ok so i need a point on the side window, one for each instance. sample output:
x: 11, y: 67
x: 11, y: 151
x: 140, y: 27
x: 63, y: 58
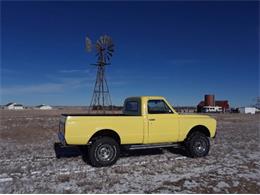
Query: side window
x: 158, y: 107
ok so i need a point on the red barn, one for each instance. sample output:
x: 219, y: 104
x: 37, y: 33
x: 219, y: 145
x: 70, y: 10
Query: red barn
x: 222, y: 103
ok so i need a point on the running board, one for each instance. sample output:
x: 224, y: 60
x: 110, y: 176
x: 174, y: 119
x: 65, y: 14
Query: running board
x: 147, y: 146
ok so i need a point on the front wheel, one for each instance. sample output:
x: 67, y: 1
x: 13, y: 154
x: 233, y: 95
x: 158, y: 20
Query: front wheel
x: 104, y: 151
x: 197, y: 145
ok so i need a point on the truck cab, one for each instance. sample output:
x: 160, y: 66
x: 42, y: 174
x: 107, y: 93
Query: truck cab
x: 160, y: 119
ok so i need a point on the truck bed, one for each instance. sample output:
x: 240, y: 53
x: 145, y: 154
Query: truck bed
x: 87, y: 114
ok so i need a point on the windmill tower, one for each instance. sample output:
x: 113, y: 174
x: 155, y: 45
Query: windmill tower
x: 101, y: 100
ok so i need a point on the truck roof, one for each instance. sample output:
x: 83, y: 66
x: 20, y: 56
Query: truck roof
x: 148, y: 97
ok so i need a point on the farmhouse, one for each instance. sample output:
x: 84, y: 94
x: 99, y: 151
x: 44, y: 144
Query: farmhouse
x: 14, y: 106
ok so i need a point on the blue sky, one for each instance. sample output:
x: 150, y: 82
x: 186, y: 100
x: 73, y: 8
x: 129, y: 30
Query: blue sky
x: 180, y: 50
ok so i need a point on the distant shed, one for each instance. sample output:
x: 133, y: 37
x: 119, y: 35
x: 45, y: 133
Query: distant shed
x: 247, y: 110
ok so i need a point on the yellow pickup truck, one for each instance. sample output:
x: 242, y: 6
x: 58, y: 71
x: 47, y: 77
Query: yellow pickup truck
x: 146, y: 122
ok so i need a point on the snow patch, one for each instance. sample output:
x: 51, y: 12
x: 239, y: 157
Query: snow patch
x: 8, y: 179
x: 190, y: 184
x: 223, y: 184
x: 180, y: 158
x: 35, y: 172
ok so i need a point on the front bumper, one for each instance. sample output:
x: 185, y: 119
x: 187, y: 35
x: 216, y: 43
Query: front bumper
x: 215, y: 135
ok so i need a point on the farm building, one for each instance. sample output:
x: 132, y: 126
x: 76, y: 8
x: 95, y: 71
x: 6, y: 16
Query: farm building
x: 44, y: 107
x: 14, y: 106
x: 247, y: 110
x: 209, y: 100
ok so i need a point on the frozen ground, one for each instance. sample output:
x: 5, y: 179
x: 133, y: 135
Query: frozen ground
x: 28, y: 163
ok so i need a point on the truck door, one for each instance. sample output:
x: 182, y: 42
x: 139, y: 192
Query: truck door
x: 163, y: 124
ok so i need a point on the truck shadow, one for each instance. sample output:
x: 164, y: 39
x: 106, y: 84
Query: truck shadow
x: 140, y: 152
x: 75, y: 151
x: 152, y: 151
x: 180, y: 151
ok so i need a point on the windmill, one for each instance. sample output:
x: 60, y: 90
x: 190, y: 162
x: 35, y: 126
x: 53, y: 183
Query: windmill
x: 101, y: 100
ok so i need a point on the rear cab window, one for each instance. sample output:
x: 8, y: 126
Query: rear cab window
x: 132, y: 107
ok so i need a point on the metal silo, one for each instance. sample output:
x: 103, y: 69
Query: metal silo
x: 209, y: 100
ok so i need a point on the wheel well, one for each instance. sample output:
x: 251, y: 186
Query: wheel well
x: 201, y: 129
x: 108, y: 133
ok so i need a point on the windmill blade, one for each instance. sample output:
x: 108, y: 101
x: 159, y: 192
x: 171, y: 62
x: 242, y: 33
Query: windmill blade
x: 107, y: 58
x: 99, y: 42
x: 98, y: 45
x: 98, y: 48
x: 88, y: 44
x: 111, y: 50
x: 110, y: 54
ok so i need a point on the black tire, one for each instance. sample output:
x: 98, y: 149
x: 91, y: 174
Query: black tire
x: 197, y: 145
x: 104, y: 151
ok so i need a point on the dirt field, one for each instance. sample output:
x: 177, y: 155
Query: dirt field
x: 28, y: 163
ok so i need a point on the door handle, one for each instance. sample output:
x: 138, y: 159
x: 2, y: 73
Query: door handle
x: 152, y: 119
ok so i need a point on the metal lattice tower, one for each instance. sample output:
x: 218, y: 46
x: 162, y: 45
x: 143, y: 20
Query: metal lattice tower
x: 101, y: 100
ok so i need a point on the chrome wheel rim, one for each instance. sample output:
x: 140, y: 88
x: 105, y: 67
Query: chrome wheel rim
x: 105, y: 152
x: 200, y: 146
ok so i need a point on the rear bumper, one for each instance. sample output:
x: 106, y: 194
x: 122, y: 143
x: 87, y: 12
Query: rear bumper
x: 66, y: 150
x: 62, y: 138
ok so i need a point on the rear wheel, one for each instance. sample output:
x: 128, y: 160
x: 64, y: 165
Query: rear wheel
x: 197, y: 145
x: 104, y: 151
